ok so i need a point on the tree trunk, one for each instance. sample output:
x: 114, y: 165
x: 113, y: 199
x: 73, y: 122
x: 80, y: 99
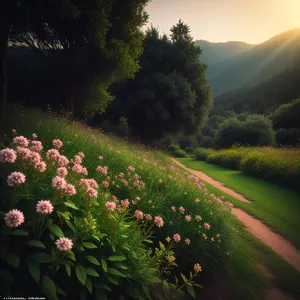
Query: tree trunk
x: 3, y: 77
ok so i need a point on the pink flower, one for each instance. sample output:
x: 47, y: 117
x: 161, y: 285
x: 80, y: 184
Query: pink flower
x: 139, y: 214
x: 158, y: 220
x: 100, y: 157
x: 125, y: 203
x: 102, y: 170
x: 187, y: 241
x: 188, y: 218
x: 160, y: 181
x: 79, y: 169
x: 131, y: 168
x: 62, y: 172
x: 110, y: 205
x: 34, y: 157
x: 92, y: 183
x: 62, y: 161
x: 81, y: 154
x: 8, y: 155
x: 14, y: 131
x: 34, y: 136
x: 197, y: 200
x: 92, y: 193
x: 148, y: 217
x: 77, y: 159
x: 40, y: 166
x: 173, y: 208
x: 59, y: 183
x: 105, y: 184
x: 44, y: 207
x: 57, y: 143
x: 15, y: 178
x: 52, y: 154
x: 37, y: 146
x: 21, y: 141
x: 64, y: 244
x: 14, y: 218
x: 176, y: 237
x: 182, y: 210
x: 24, y: 153
x: 198, y: 218
x: 206, y: 226
x: 69, y: 189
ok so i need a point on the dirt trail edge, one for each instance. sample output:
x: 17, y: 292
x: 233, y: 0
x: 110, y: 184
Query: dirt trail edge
x: 281, y: 246
x: 213, y: 182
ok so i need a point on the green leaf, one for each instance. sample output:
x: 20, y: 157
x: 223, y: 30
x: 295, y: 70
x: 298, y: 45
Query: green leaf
x: 104, y: 265
x: 166, y: 290
x: 198, y: 285
x: 113, y: 280
x: 42, y: 258
x: 71, y: 255
x: 91, y: 272
x: 36, y: 243
x: 93, y: 260
x: 162, y: 246
x: 19, y: 232
x: 115, y: 272
x: 49, y: 287
x: 13, y: 259
x: 80, y: 273
x: 68, y: 269
x: 148, y: 241
x: 116, y: 258
x: 59, y: 290
x: 89, y: 245
x: 70, y: 204
x: 184, y: 278
x: 88, y: 285
x: 56, y: 230
x: 191, y: 290
x: 34, y: 270
x: 52, y: 237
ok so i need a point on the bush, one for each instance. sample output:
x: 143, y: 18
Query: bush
x: 202, y: 153
x: 175, y: 150
x: 288, y: 137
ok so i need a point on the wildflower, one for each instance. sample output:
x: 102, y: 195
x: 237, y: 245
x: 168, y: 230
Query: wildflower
x: 188, y: 218
x: 139, y: 214
x: 160, y: 181
x: 44, y: 207
x: 23, y: 153
x: 14, y: 218
x: 148, y: 217
x: 212, y: 239
x: 100, y: 157
x: 14, y: 131
x: 102, y: 170
x: 187, y: 241
x: 197, y: 268
x: 173, y: 208
x: 34, y: 136
x: 204, y: 236
x: 168, y: 239
x: 81, y: 154
x: 92, y: 183
x: 52, y: 154
x: 15, y: 178
x: 8, y: 155
x: 181, y: 209
x: 206, y: 226
x: 176, y: 237
x: 59, y: 183
x: 131, y: 168
x: 198, y: 218
x: 34, y: 157
x: 197, y: 200
x: 62, y: 172
x: 110, y: 205
x: 125, y: 203
x: 69, y: 189
x: 37, y: 146
x: 40, y: 166
x: 64, y: 244
x: 21, y: 141
x: 62, y: 161
x: 105, y: 184
x: 158, y: 220
x: 171, y: 258
x: 92, y: 193
x: 77, y: 159
x: 218, y: 236
x: 57, y: 143
x: 137, y: 198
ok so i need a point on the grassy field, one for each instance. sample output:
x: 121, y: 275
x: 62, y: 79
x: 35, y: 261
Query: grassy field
x: 276, y: 206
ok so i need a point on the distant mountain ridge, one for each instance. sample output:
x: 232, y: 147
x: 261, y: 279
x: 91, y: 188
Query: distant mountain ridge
x: 248, y: 65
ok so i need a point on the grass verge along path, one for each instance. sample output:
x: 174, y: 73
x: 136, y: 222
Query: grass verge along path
x: 276, y: 206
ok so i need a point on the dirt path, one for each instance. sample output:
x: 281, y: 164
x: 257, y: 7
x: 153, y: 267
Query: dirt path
x: 281, y: 246
x: 213, y: 182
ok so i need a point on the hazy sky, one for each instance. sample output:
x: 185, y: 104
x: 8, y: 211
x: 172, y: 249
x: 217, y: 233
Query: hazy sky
x: 251, y: 21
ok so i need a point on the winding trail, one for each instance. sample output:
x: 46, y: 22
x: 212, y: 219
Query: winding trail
x: 281, y: 246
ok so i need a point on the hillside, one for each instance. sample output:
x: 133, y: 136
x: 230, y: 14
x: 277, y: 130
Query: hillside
x: 264, y: 97
x: 257, y: 64
x: 216, y: 52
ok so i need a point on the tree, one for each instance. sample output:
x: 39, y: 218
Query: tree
x: 170, y: 94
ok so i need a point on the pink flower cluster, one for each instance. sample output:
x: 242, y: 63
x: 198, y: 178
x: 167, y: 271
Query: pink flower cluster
x: 36, y: 146
x: 91, y: 187
x: 15, y: 178
x: 139, y: 214
x: 60, y: 184
x: 110, y: 205
x: 21, y: 141
x: 8, y: 155
x: 79, y: 169
x: 158, y: 220
x: 14, y: 218
x: 102, y: 170
x: 44, y: 207
x: 176, y: 237
x: 57, y: 143
x: 64, y: 244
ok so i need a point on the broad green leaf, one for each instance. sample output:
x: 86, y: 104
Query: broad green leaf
x: 93, y: 260
x: 191, y: 290
x: 36, y: 243
x: 19, y: 232
x: 166, y: 289
x: 198, y: 285
x: 72, y: 205
x: 34, y: 270
x: 56, y: 230
x: 68, y: 269
x: 96, y: 237
x: 104, y: 265
x: 89, y: 245
x: 116, y: 258
x: 88, y: 285
x: 80, y: 273
x: 13, y: 259
x: 148, y: 241
x: 49, y: 287
x: 115, y: 272
x: 184, y: 278
x: 42, y: 258
x: 71, y: 255
x: 91, y: 272
x: 113, y: 280
x: 162, y: 246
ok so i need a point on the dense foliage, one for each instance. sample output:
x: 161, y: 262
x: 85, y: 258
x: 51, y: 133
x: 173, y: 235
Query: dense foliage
x: 170, y: 94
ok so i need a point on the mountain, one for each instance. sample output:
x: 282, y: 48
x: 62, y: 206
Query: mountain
x: 257, y: 64
x: 215, y: 52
